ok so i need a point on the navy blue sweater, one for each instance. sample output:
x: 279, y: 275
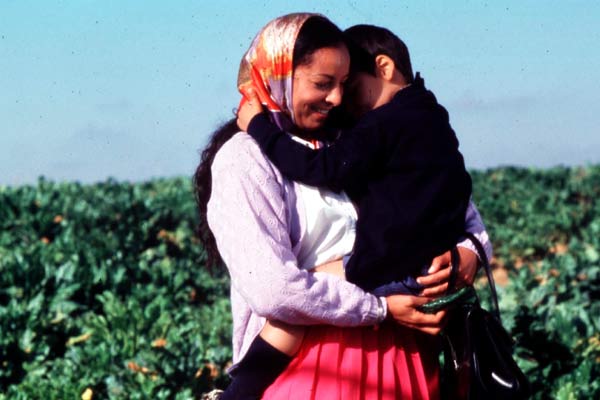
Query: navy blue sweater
x: 401, y: 166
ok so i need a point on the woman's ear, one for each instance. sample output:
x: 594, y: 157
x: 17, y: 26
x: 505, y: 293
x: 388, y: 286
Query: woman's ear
x: 384, y: 67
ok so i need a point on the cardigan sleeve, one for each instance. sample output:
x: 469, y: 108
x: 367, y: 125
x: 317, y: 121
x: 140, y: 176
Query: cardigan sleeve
x: 248, y: 217
x: 474, y: 224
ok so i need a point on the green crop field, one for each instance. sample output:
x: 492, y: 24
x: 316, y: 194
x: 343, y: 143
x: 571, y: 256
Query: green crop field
x: 103, y: 292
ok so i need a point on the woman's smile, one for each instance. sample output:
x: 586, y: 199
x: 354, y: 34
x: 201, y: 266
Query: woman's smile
x: 318, y: 86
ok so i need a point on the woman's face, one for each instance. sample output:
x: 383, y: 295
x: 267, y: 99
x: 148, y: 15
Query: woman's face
x: 318, y: 86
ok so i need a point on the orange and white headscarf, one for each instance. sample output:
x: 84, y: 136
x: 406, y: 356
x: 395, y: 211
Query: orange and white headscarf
x: 268, y: 66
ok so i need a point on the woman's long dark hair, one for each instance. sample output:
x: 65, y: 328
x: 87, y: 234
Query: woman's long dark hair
x: 203, y: 186
x: 316, y: 33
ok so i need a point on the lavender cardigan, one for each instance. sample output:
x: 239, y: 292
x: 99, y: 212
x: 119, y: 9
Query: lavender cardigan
x: 253, y: 216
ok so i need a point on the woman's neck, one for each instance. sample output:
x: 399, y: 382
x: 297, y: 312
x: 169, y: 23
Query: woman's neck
x: 308, y: 135
x: 325, y: 134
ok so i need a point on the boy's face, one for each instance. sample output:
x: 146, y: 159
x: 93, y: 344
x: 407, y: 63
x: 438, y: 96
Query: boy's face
x: 364, y: 92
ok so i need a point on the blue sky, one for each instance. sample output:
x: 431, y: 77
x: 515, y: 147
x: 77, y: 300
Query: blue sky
x: 132, y: 89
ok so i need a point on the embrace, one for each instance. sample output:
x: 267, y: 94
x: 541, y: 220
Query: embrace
x: 334, y: 200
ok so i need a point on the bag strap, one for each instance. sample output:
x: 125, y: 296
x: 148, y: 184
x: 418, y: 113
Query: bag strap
x: 488, y: 271
x: 454, y: 263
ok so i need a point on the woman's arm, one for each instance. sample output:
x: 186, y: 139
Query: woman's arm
x: 247, y: 214
x: 474, y: 224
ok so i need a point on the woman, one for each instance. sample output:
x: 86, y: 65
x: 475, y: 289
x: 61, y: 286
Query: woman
x: 271, y: 232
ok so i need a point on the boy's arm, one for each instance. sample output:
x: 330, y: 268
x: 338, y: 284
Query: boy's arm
x: 437, y: 278
x: 347, y: 160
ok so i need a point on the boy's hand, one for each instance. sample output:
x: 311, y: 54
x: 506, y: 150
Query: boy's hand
x: 248, y: 109
x: 436, y: 281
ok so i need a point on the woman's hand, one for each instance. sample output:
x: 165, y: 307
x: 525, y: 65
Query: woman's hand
x: 403, y: 309
x: 436, y: 281
x: 249, y: 108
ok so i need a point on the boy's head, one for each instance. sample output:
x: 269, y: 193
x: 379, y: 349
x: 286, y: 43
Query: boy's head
x: 380, y: 67
x: 369, y: 41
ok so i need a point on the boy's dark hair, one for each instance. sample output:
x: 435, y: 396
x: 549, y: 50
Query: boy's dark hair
x: 366, y: 42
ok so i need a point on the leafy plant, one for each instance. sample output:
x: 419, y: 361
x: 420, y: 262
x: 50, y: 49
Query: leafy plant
x: 102, y: 287
x: 103, y: 292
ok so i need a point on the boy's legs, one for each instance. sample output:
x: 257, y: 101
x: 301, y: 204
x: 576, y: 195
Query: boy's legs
x: 268, y: 356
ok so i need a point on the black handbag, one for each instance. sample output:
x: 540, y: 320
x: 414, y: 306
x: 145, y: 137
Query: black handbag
x: 478, y: 362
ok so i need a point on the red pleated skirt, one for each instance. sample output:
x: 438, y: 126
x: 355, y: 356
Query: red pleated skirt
x: 392, y: 362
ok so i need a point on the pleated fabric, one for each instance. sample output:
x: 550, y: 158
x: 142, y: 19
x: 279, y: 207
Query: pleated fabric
x: 388, y: 363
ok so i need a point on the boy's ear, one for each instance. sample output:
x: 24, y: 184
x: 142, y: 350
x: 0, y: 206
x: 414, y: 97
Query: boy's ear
x: 384, y: 67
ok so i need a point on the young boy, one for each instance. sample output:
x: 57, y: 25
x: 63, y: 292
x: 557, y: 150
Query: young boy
x: 400, y: 164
